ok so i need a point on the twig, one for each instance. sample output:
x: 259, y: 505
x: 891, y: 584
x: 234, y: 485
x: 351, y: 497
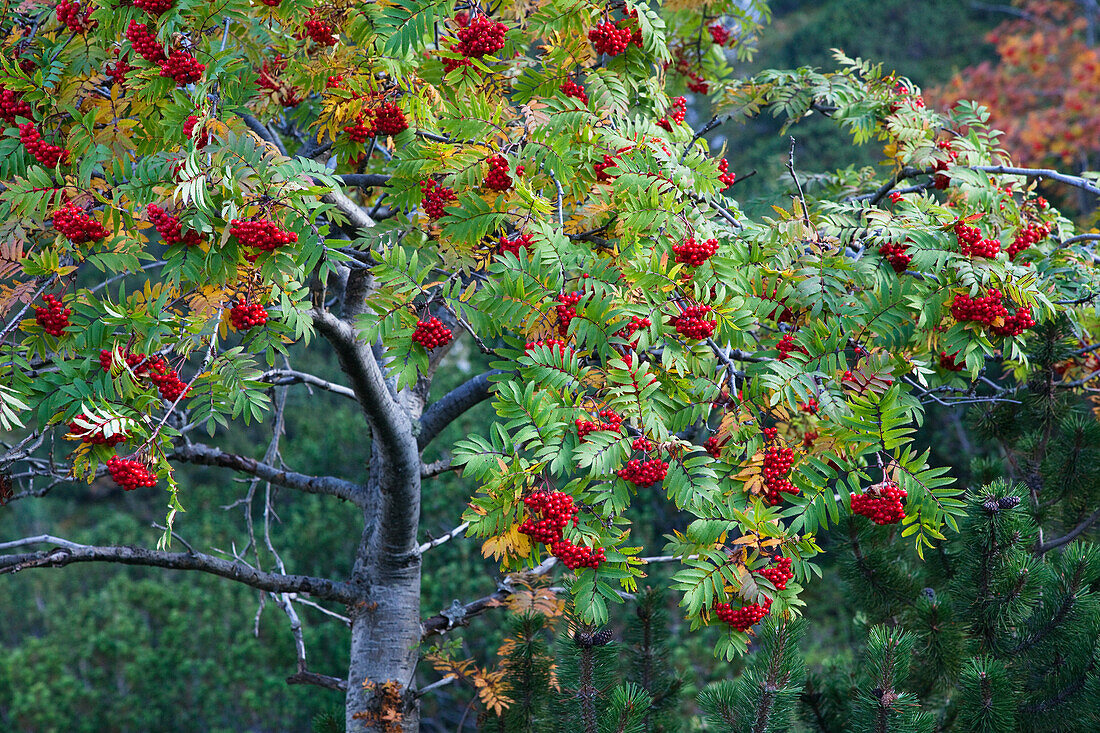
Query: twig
x: 445, y: 538
x: 802, y: 196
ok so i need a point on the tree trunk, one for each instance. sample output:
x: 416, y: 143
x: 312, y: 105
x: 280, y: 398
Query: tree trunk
x: 385, y: 631
x: 385, y: 640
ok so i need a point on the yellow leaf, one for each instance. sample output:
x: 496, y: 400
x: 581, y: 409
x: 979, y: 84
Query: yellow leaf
x: 511, y: 544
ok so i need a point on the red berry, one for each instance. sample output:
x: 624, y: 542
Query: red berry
x: 881, y: 503
x: 695, y: 253
x: 69, y: 13
x: 154, y: 7
x: 183, y: 67
x: 897, y: 255
x: 644, y: 473
x: 130, y: 474
x: 144, y: 42
x: 12, y: 105
x: 745, y: 617
x: 498, y: 177
x: 724, y: 176
x: 572, y: 89
x: 435, y: 199
x: 431, y: 333
x: 48, y: 155
x: 94, y: 435
x: 692, y: 324
x: 54, y: 317
x: 261, y: 234
x: 779, y: 573
x: 389, y: 119
x: 170, y: 228
x: 77, y: 226
x: 245, y: 316
x: 719, y: 34
x: 609, y: 38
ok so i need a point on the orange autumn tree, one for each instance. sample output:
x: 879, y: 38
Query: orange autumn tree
x: 1044, y: 92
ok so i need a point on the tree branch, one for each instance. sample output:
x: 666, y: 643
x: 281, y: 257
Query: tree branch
x: 280, y: 377
x: 445, y: 538
x: 305, y: 677
x: 1075, y: 181
x: 460, y: 614
x: 364, y: 180
x: 1073, y: 534
x: 450, y: 406
x: 355, y: 214
x: 71, y: 552
x: 206, y: 455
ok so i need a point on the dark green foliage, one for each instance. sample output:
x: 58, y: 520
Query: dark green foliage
x: 528, y: 663
x: 763, y: 698
x: 1001, y: 637
x: 646, y: 636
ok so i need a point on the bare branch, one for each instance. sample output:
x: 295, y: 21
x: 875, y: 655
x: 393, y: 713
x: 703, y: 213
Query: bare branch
x: 305, y: 677
x: 71, y: 552
x: 1075, y: 181
x: 279, y: 377
x: 445, y: 538
x: 1070, y: 536
x: 364, y: 180
x: 450, y: 406
x: 206, y: 455
x: 354, y: 213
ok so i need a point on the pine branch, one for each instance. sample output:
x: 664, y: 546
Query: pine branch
x: 72, y: 552
x: 206, y: 455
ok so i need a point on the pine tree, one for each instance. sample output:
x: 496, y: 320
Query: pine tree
x: 646, y: 663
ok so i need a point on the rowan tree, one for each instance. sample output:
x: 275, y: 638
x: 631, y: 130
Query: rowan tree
x: 197, y: 188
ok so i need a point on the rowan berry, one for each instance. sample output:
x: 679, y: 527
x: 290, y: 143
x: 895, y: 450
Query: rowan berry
x: 577, y: 556
x: 787, y: 346
x: 389, y: 119
x: 566, y: 310
x: 498, y: 178
x: 609, y: 38
x: 154, y: 7
x: 572, y: 89
x: 261, y: 234
x: 170, y: 229
x: 144, y: 42
x: 745, y: 617
x: 130, y: 475
x: 514, y: 244
x: 881, y: 504
x: 719, y: 34
x: 481, y: 37
x: 897, y: 255
x: 48, y: 155
x: 246, y: 316
x: 972, y: 244
x: 948, y: 362
x: 361, y: 130
x: 431, y: 333
x: 12, y: 105
x: 693, y: 253
x: 75, y: 18
x: 550, y: 512
x: 183, y: 67
x: 94, y: 435
x: 435, y: 198
x: 166, y: 380
x: 320, y: 31
x: 53, y: 317
x: 779, y: 573
x: 644, y: 473
x: 691, y: 323
x: 726, y: 178
x: 77, y: 226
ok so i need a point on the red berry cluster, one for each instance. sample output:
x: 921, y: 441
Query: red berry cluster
x: 787, y: 345
x: 360, y: 131
x: 693, y: 324
x: 609, y: 161
x: 550, y: 513
x: 1032, y: 233
x: 719, y: 34
x: 167, y: 380
x: 972, y: 244
x: 713, y: 446
x: 77, y: 226
x: 170, y: 228
x: 261, y: 234
x: 882, y: 505
x: 431, y: 333
x: 614, y: 38
x: 948, y: 362
x: 724, y: 176
x: 679, y: 109
x: 776, y: 468
x: 137, y: 362
x: 69, y: 13
x: 555, y: 511
x: 498, y: 177
x: 320, y: 31
x: 644, y: 473
x: 54, y: 317
x: 555, y: 345
x: 643, y: 444
x: 572, y: 89
x: 940, y: 181
x: 130, y: 475
x: 245, y: 316
x: 189, y: 129
x: 904, y: 97
x: 144, y: 42
x: 435, y: 198
x: 745, y: 617
x: 154, y: 7
x: 183, y: 67
x: 118, y: 70
x: 95, y: 436
x: 695, y: 253
x: 770, y: 434
x: 513, y: 245
x: 897, y: 255
x: 268, y: 77
x: 389, y: 119
x: 45, y: 153
x: 566, y: 310
x: 779, y: 573
x: 608, y: 420
x: 809, y: 406
x: 697, y: 83
x: 480, y: 37
x: 628, y: 331
x: 12, y: 105
x: 987, y: 309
